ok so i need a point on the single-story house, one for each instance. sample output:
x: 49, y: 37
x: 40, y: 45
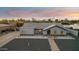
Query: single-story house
x: 46, y: 29
x: 7, y: 27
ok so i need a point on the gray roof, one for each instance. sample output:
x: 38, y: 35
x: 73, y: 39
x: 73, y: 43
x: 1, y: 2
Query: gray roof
x: 37, y: 25
x: 59, y: 25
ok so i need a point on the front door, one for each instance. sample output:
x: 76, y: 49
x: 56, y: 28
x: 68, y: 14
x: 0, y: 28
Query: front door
x: 48, y: 32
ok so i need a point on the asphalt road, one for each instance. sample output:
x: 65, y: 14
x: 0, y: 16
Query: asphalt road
x: 27, y: 45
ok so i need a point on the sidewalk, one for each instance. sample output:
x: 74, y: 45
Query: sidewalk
x: 32, y: 37
x: 4, y: 39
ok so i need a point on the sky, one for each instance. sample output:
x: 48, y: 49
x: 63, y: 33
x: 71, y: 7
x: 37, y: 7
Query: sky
x: 24, y: 12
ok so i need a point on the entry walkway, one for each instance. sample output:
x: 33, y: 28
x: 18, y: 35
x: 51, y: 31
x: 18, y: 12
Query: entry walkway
x: 53, y: 45
x: 4, y: 39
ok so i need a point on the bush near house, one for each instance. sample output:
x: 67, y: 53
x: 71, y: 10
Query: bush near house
x: 19, y: 24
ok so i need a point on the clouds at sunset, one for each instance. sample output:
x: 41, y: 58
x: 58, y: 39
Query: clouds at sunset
x: 39, y: 12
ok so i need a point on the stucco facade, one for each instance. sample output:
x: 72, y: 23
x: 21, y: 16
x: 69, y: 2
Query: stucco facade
x: 57, y: 31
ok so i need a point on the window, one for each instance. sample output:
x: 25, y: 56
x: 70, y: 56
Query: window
x: 62, y: 33
x: 38, y: 31
x: 54, y: 32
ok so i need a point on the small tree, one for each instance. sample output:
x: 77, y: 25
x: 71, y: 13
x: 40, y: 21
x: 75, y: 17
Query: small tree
x: 49, y: 20
x: 56, y: 20
x: 19, y: 24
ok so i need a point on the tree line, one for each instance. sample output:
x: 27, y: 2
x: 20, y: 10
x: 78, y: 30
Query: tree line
x: 20, y: 22
x: 17, y: 23
x: 62, y: 21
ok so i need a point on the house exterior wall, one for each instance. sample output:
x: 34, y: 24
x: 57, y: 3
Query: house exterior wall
x: 44, y: 32
x: 28, y: 31
x: 74, y: 32
x: 57, y: 31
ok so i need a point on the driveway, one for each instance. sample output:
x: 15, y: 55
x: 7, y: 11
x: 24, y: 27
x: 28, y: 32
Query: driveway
x: 28, y: 45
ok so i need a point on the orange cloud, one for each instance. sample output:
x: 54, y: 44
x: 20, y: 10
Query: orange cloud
x: 73, y: 14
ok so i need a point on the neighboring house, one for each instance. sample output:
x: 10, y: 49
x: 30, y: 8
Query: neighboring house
x: 74, y: 26
x: 46, y: 29
x: 7, y: 27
